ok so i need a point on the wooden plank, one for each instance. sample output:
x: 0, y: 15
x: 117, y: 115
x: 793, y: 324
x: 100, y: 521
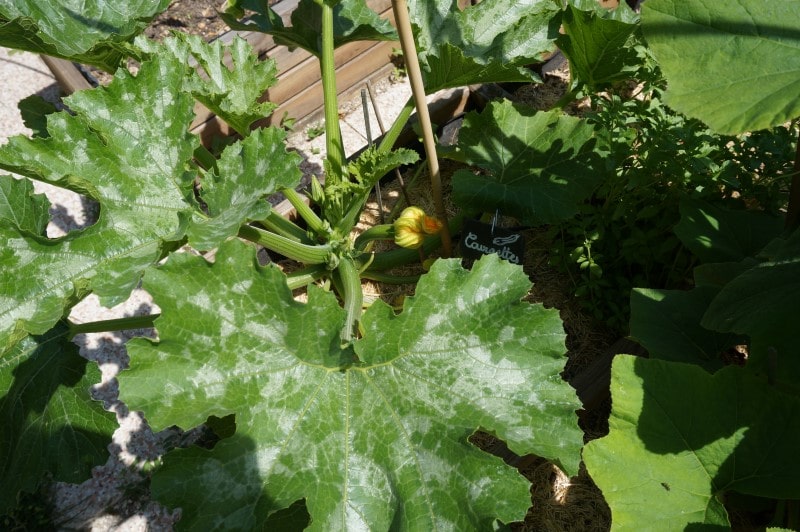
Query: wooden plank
x: 304, y: 96
x: 298, y: 91
x: 67, y: 74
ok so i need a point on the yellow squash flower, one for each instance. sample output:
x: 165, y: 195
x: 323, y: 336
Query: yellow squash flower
x: 413, y: 225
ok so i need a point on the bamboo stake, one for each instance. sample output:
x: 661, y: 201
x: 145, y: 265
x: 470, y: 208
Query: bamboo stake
x: 400, y: 8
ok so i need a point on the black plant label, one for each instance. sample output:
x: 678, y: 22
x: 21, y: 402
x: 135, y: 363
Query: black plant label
x: 483, y: 239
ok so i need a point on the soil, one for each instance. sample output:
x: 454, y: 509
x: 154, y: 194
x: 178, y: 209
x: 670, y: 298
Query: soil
x: 196, y: 17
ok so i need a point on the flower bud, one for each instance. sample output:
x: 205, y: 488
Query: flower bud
x: 407, y: 234
x: 412, y: 226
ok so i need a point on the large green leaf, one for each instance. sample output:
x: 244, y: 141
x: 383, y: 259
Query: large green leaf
x: 761, y: 302
x: 763, y: 299
x: 232, y: 93
x: 716, y: 234
x: 596, y: 46
x: 667, y: 324
x: 125, y: 146
x: 50, y: 423
x: 489, y: 42
x: 539, y: 165
x: 353, y: 21
x: 371, y: 436
x: 680, y: 438
x: 735, y: 64
x: 86, y: 31
x: 234, y: 192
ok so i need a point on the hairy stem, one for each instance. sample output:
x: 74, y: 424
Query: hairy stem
x: 278, y: 224
x: 352, y: 295
x: 376, y: 232
x: 391, y: 136
x: 306, y: 276
x: 292, y: 249
x: 333, y: 133
x: 305, y: 212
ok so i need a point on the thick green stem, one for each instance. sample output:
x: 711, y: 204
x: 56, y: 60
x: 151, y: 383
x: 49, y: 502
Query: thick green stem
x: 205, y: 158
x: 391, y: 136
x: 305, y: 212
x: 398, y: 257
x: 387, y: 278
x: 119, y: 324
x: 278, y: 224
x: 306, y: 276
x: 304, y: 253
x: 352, y: 295
x: 376, y: 232
x: 333, y: 133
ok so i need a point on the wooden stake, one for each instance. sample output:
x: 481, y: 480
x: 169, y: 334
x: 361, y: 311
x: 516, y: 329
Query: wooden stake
x: 400, y: 8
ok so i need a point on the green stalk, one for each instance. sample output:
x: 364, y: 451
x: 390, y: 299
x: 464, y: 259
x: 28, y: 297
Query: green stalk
x: 304, y: 253
x: 278, y: 224
x: 398, y: 257
x: 205, y: 158
x: 306, y: 276
x: 305, y: 212
x: 376, y: 232
x: 387, y: 278
x: 352, y: 295
x: 333, y: 133
x: 391, y: 136
x: 119, y: 324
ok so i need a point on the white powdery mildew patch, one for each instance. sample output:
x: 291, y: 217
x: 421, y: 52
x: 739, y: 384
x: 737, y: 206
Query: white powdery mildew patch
x: 272, y: 332
x: 201, y: 300
x: 210, y: 380
x: 434, y: 320
x: 506, y: 333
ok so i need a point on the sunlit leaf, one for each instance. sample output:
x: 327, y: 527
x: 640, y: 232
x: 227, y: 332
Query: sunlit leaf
x: 127, y: 147
x: 538, y: 165
x: 491, y: 41
x: 87, y: 31
x: 680, y: 438
x: 734, y: 64
x: 373, y: 435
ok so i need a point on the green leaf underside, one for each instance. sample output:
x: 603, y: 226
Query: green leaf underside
x: 235, y: 192
x: 731, y: 63
x: 680, y: 438
x: 488, y: 42
x: 540, y: 164
x: 86, y: 31
x: 42, y: 411
x: 126, y: 147
x: 377, y: 441
x: 353, y: 21
x: 595, y: 47
x: 233, y: 93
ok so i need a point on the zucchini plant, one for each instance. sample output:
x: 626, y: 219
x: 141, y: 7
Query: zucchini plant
x: 342, y: 418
